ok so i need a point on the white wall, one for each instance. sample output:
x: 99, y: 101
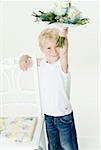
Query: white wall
x: 19, y: 36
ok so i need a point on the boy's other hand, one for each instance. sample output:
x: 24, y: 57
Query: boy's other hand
x: 24, y: 62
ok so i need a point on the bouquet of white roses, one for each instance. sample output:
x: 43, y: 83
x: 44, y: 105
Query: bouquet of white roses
x: 61, y: 13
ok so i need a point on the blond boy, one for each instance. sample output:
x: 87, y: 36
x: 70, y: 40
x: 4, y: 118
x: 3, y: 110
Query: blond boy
x: 54, y: 79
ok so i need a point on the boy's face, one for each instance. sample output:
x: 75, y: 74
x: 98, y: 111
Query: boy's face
x: 50, y: 49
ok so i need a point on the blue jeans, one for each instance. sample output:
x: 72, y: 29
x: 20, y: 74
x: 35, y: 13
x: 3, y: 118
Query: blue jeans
x: 61, y: 132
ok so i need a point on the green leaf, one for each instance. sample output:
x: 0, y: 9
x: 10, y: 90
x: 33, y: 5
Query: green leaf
x: 82, y: 21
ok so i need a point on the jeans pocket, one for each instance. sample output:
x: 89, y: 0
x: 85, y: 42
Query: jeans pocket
x: 66, y: 119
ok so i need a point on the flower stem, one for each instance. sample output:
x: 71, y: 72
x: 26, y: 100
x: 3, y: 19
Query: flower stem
x: 60, y: 41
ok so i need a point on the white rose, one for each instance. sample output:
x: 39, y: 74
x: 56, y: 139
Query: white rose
x: 73, y: 12
x: 59, y: 11
x: 60, y: 7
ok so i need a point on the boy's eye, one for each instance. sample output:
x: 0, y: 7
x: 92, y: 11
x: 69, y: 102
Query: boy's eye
x: 49, y: 48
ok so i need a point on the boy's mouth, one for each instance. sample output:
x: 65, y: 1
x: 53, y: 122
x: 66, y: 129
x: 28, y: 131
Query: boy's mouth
x: 54, y: 55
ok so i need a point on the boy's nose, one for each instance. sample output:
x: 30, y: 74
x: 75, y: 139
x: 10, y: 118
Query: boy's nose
x: 54, y: 52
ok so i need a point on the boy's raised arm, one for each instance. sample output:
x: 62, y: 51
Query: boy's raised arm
x: 63, y: 52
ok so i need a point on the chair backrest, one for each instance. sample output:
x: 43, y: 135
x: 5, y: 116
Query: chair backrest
x: 19, y: 90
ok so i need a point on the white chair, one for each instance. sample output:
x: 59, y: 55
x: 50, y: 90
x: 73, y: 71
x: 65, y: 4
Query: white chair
x: 20, y: 95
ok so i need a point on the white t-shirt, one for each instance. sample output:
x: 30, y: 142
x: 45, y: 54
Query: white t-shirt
x: 54, y: 89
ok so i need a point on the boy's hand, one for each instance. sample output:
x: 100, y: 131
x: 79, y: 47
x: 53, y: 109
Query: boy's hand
x: 24, y: 62
x: 63, y: 32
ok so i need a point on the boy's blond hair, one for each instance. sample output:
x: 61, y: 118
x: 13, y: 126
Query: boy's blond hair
x: 50, y: 34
